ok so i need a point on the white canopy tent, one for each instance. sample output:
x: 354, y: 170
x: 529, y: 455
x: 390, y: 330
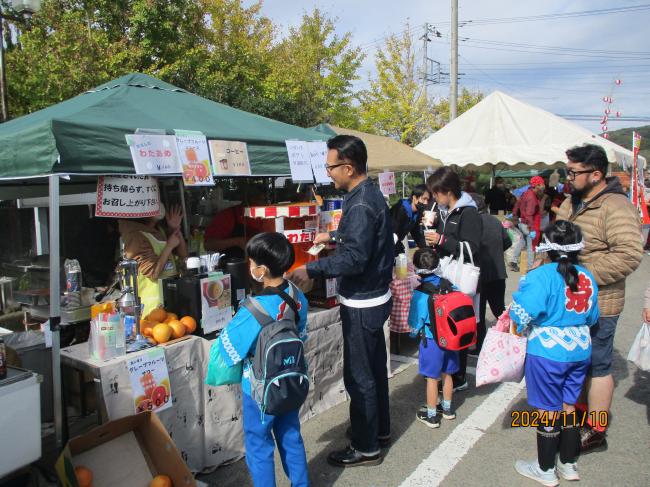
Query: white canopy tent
x: 501, y: 130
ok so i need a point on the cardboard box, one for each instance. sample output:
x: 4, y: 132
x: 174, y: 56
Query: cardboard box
x: 126, y: 452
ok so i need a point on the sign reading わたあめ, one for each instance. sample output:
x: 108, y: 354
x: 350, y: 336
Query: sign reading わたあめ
x: 153, y: 154
x: 127, y: 197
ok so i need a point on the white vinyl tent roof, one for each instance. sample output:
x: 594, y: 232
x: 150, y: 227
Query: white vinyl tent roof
x: 503, y: 130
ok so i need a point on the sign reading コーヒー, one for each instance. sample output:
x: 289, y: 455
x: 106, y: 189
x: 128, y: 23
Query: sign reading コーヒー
x: 229, y: 158
x: 127, y: 197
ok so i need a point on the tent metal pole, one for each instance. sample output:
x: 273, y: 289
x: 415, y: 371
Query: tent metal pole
x: 55, y: 309
x: 186, y: 225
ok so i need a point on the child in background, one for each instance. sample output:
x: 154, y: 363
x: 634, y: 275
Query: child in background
x: 435, y: 364
x: 270, y: 255
x: 558, y: 302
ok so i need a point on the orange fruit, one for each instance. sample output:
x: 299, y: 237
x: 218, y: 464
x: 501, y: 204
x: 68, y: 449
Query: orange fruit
x: 170, y: 317
x: 147, y: 328
x: 162, y: 332
x: 178, y: 329
x: 190, y: 323
x: 161, y: 481
x: 158, y: 315
x: 84, y: 476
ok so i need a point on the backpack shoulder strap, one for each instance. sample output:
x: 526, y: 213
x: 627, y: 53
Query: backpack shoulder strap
x: 288, y: 298
x: 257, y: 310
x: 428, y: 288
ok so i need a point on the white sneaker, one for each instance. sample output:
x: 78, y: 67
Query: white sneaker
x: 568, y: 471
x: 533, y: 471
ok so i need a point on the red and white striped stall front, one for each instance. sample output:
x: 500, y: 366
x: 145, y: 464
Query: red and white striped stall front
x: 298, y: 222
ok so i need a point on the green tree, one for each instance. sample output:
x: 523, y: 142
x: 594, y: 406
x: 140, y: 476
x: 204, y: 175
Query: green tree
x: 231, y: 58
x: 394, y: 105
x: 466, y: 100
x: 60, y: 55
x: 312, y: 74
x: 71, y: 46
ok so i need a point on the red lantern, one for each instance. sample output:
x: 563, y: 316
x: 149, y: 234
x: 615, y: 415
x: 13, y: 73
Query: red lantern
x: 604, y: 127
x: 607, y: 111
x: 618, y: 81
x: 606, y: 136
x: 605, y: 98
x: 604, y: 120
x: 618, y: 114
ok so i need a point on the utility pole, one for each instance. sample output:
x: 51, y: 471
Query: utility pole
x: 4, y: 115
x: 453, y: 92
x: 425, y: 68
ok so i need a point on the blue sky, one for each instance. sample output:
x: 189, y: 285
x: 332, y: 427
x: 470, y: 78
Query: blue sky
x: 588, y: 52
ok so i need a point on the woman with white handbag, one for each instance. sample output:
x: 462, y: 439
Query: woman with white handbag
x: 456, y: 235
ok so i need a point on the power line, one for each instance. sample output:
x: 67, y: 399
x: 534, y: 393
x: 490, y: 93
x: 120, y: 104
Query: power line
x: 559, y: 16
x: 555, y: 48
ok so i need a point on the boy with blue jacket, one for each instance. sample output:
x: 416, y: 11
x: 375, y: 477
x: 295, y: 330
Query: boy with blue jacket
x: 435, y: 364
x: 270, y: 255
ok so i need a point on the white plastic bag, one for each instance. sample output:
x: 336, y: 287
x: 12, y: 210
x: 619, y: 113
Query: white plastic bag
x: 464, y: 275
x: 640, y: 351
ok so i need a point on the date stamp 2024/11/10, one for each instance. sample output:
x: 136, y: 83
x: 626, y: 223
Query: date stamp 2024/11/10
x: 535, y: 418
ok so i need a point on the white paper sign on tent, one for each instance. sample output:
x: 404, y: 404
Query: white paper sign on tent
x: 299, y: 161
x: 387, y: 183
x: 229, y: 158
x: 195, y: 158
x: 318, y: 160
x: 153, y: 154
x: 127, y: 197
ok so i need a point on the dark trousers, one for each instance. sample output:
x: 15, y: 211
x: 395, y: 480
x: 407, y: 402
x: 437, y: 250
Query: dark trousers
x: 492, y: 293
x: 365, y: 375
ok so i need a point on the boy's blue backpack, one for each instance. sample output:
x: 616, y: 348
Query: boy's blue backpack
x: 278, y: 370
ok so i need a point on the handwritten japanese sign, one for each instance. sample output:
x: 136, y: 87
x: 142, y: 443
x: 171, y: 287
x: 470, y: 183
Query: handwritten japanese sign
x: 127, y: 197
x: 153, y: 154
x: 150, y: 381
x: 299, y: 160
x: 195, y: 159
x: 318, y: 159
x: 387, y: 183
x: 229, y: 158
x: 216, y: 303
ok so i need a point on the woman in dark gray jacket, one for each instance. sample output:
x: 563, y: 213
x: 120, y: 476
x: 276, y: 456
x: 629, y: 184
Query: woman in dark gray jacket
x: 494, y: 242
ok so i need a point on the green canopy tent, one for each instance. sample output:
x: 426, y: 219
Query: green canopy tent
x: 85, y: 136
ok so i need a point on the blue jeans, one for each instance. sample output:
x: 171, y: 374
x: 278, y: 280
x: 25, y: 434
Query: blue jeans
x: 530, y: 255
x: 260, y: 447
x: 365, y: 375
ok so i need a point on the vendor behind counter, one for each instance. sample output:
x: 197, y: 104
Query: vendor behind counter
x: 156, y: 252
x: 229, y: 230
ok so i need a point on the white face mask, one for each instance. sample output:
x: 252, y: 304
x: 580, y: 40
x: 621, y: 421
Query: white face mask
x: 260, y: 278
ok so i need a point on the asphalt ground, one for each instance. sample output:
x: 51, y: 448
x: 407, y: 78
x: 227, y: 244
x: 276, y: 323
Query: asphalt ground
x: 480, y: 447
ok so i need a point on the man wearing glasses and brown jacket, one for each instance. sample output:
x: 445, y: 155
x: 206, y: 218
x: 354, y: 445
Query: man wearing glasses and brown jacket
x: 612, y: 235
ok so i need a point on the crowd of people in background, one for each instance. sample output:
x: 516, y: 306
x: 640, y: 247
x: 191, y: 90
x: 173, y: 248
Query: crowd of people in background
x: 582, y: 238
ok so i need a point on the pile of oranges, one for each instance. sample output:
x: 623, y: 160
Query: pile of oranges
x: 85, y: 478
x: 161, y: 326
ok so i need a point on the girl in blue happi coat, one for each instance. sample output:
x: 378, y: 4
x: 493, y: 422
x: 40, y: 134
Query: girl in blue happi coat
x: 556, y: 304
x: 270, y: 255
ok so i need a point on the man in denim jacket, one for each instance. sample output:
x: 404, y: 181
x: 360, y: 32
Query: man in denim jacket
x: 363, y: 264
